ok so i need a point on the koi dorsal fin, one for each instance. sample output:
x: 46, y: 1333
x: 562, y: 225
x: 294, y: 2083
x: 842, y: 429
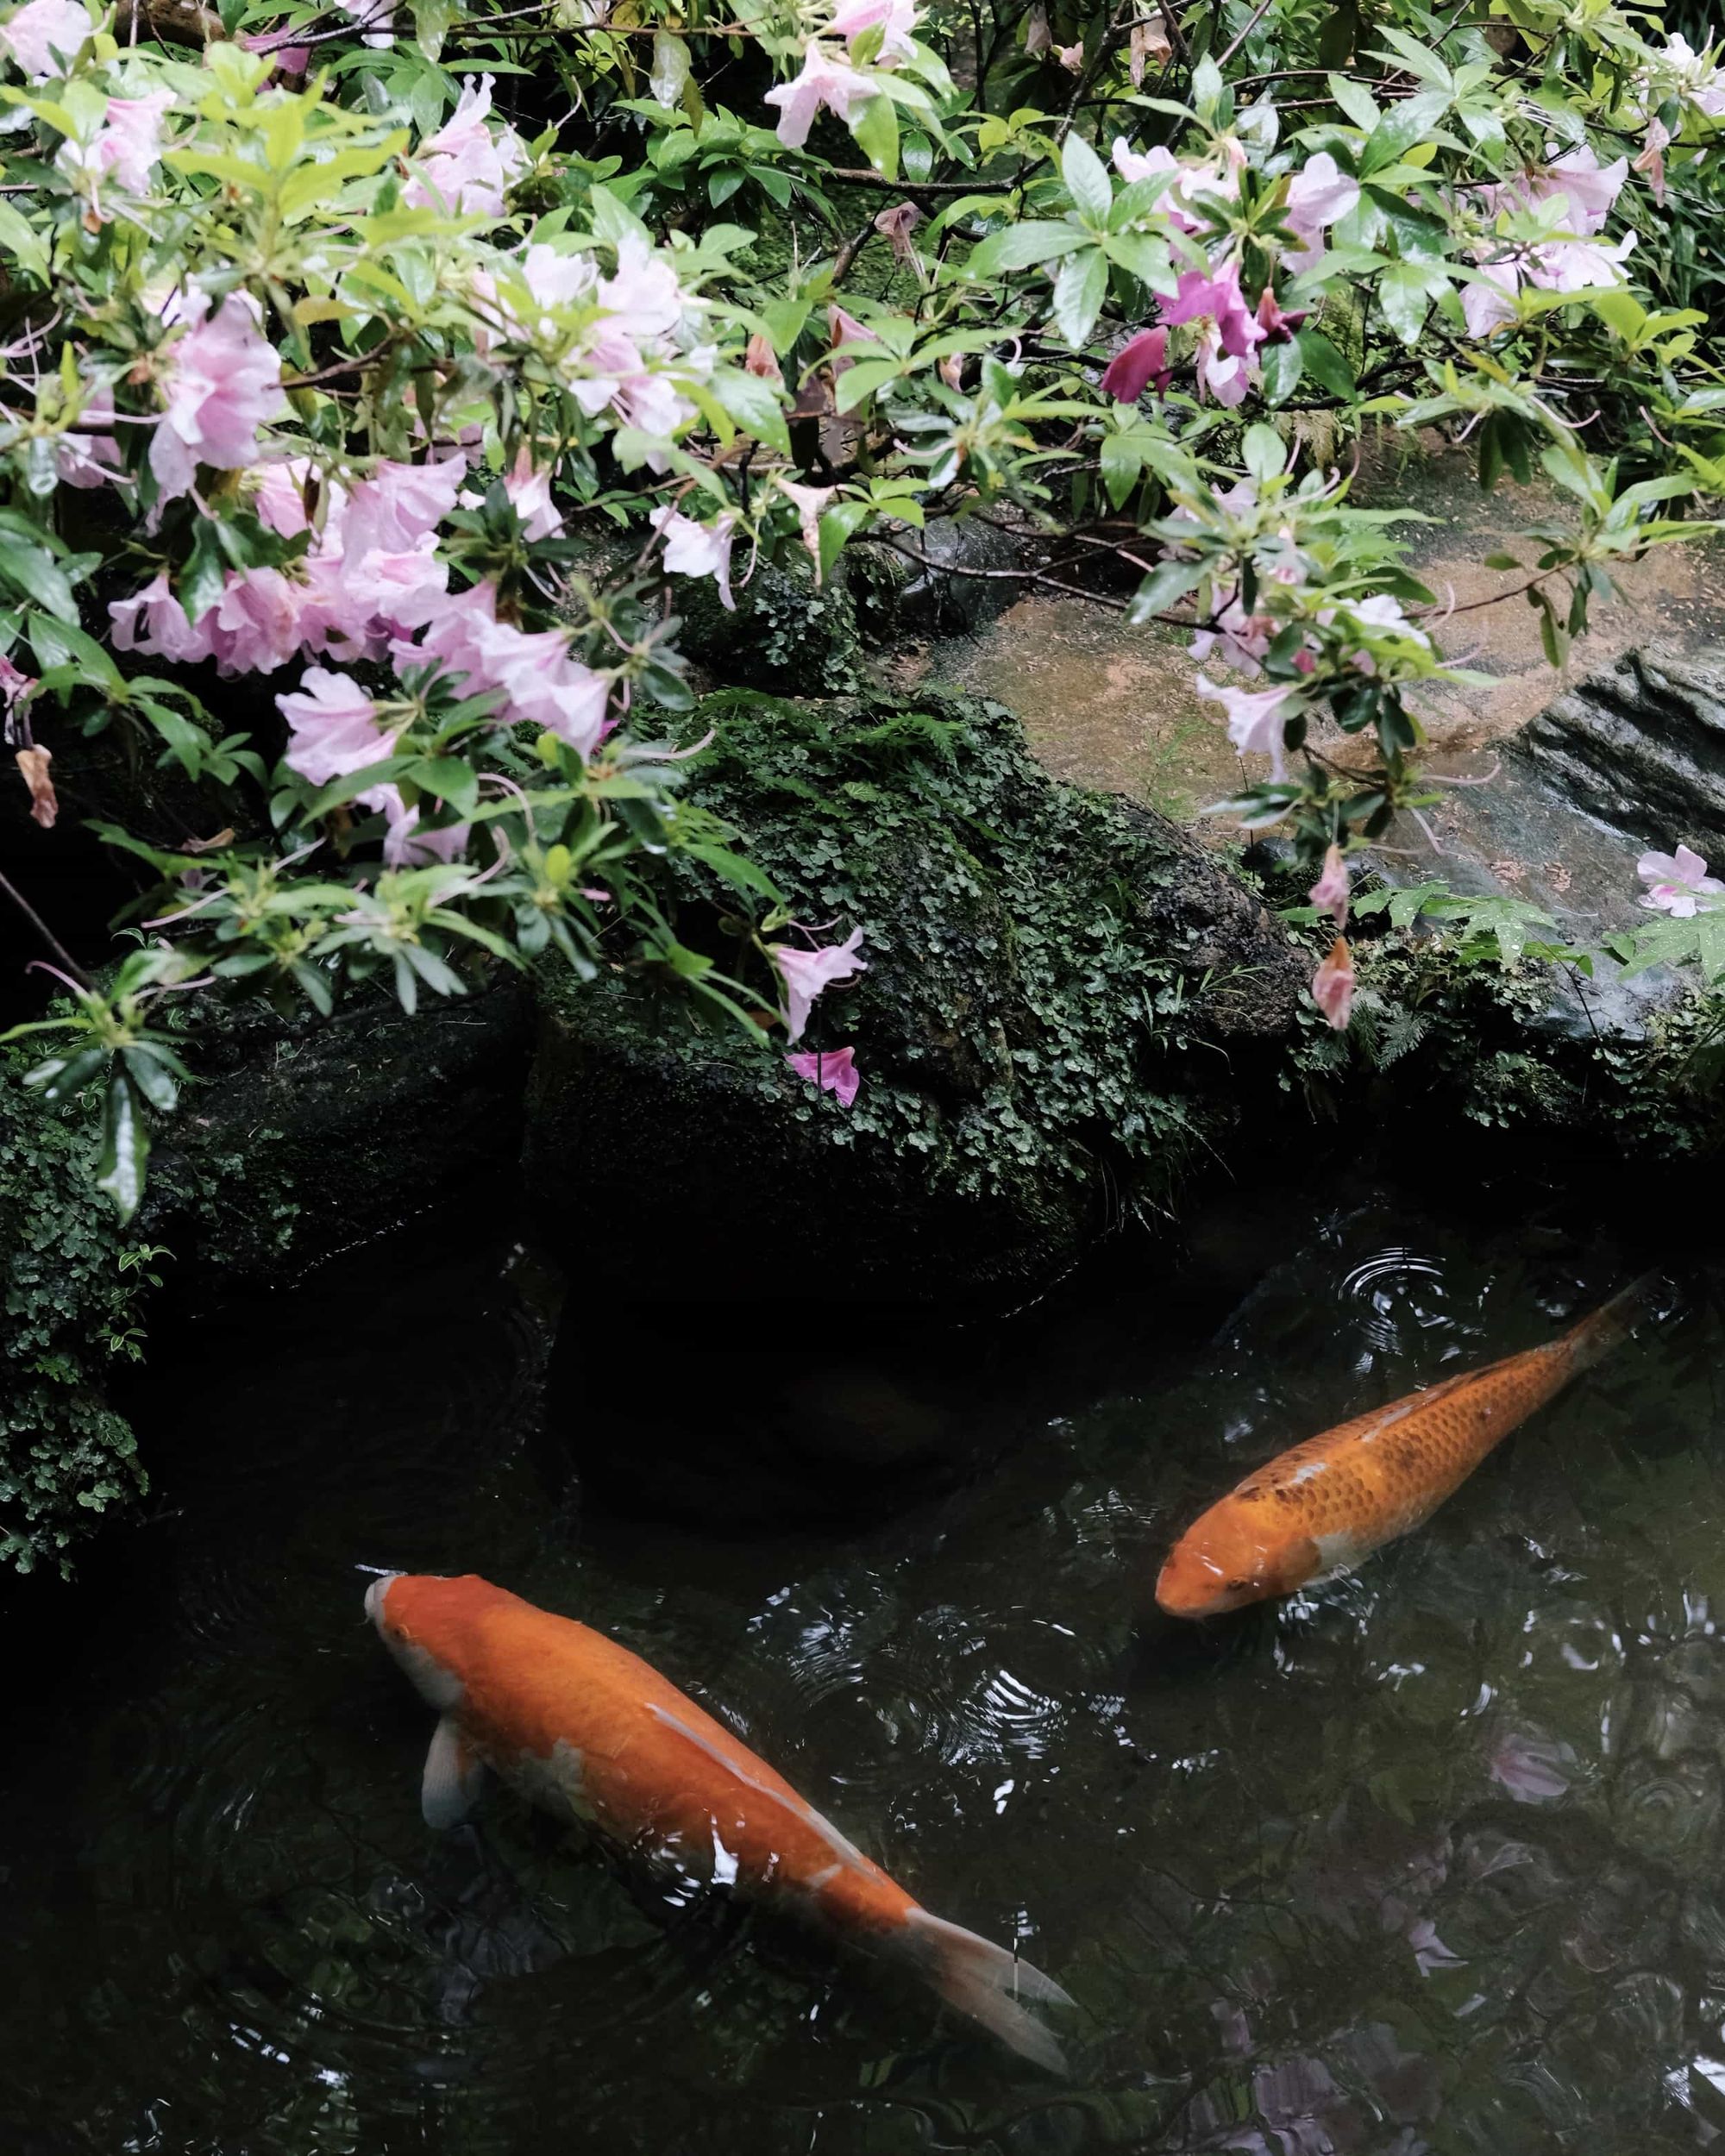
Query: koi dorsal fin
x: 454, y: 1774
x: 804, y: 1814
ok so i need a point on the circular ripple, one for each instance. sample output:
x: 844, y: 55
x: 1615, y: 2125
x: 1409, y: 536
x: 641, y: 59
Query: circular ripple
x: 1396, y: 1295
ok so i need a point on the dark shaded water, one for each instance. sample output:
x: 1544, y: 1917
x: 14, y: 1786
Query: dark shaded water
x: 1429, y: 1859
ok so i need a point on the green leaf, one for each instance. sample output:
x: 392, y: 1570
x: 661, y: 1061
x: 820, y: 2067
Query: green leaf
x: 450, y: 779
x: 1326, y: 364
x: 151, y: 1078
x: 1281, y: 366
x: 1085, y: 177
x: 1402, y: 295
x: 33, y: 571
x: 1710, y: 942
x: 205, y: 578
x: 875, y: 131
x: 1264, y: 452
x: 1079, y: 290
x: 754, y: 406
x: 740, y: 873
x: 125, y: 1148
x: 1019, y: 247
x: 1357, y: 101
x: 1168, y: 582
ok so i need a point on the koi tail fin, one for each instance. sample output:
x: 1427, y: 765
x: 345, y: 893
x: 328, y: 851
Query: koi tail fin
x: 985, y: 1982
x: 1609, y: 1327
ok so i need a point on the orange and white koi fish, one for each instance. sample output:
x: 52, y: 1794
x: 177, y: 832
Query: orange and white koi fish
x: 1325, y: 1505
x: 589, y: 1732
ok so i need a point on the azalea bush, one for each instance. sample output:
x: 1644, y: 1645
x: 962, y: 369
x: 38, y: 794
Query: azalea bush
x: 378, y: 377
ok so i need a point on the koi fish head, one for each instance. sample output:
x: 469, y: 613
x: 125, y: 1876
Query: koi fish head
x: 428, y: 1625
x: 1225, y: 1560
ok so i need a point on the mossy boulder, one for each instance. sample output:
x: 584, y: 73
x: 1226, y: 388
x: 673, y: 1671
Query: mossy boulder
x: 1051, y: 975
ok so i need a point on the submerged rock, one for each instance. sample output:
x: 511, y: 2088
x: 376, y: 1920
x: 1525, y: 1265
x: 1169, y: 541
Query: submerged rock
x: 1051, y: 976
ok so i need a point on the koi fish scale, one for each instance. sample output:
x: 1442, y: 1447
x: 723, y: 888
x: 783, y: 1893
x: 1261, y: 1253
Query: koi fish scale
x: 587, y: 1731
x: 1326, y: 1504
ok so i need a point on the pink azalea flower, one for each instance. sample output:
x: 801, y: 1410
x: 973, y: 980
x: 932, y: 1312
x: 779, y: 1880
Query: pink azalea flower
x: 531, y: 493
x: 277, y: 492
x: 1587, y: 186
x: 1675, y: 882
x: 222, y: 381
x: 1223, y: 376
x: 153, y: 622
x: 334, y: 723
x: 1177, y: 201
x: 91, y: 459
x: 644, y: 294
x: 540, y: 680
x: 693, y: 550
x: 378, y: 17
x: 405, y: 845
x: 357, y: 604
x: 1243, y: 638
x: 1333, y: 985
x: 805, y: 973
x: 257, y: 623
x: 1330, y: 892
x: 35, y: 34
x: 14, y: 684
x: 1321, y: 196
x: 897, y: 18
x: 833, y: 1070
x: 125, y: 148
x: 466, y: 166
x: 824, y: 80
x: 1558, y: 266
x: 1430, y: 1954
x: 1142, y: 359
x: 1256, y: 719
x: 285, y: 56
x: 400, y: 505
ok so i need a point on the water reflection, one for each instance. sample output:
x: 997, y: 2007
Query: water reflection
x: 1428, y: 1859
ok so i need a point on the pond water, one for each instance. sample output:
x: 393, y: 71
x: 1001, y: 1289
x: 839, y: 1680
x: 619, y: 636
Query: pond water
x: 1427, y: 1859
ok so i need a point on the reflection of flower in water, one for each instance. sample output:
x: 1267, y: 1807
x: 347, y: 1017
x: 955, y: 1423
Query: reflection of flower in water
x: 1429, y: 1950
x: 1533, y: 1769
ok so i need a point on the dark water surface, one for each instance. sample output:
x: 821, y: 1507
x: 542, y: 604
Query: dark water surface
x: 1428, y: 1859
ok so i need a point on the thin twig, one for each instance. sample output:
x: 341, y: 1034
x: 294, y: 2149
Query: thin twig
x: 46, y: 934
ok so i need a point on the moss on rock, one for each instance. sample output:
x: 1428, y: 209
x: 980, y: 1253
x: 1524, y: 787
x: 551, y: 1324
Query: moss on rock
x: 1042, y: 963
x: 65, y: 1455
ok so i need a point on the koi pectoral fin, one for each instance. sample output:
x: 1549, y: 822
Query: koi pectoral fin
x: 455, y: 1774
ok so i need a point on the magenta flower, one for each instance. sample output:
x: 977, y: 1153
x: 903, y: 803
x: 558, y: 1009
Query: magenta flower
x: 222, y: 381
x: 833, y: 1070
x: 896, y: 225
x: 1675, y: 882
x: 35, y: 34
x: 334, y: 723
x: 466, y: 166
x: 1330, y: 892
x: 1256, y: 718
x: 1142, y: 359
x: 1216, y: 296
x: 1333, y: 985
x: 805, y: 973
x: 824, y: 80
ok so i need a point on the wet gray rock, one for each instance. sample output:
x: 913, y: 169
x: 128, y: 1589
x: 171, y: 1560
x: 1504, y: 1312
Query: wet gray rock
x: 1640, y: 747
x: 1631, y: 756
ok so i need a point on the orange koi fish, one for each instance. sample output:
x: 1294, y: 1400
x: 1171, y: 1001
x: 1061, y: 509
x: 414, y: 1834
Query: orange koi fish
x: 1325, y: 1505
x: 589, y: 1732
